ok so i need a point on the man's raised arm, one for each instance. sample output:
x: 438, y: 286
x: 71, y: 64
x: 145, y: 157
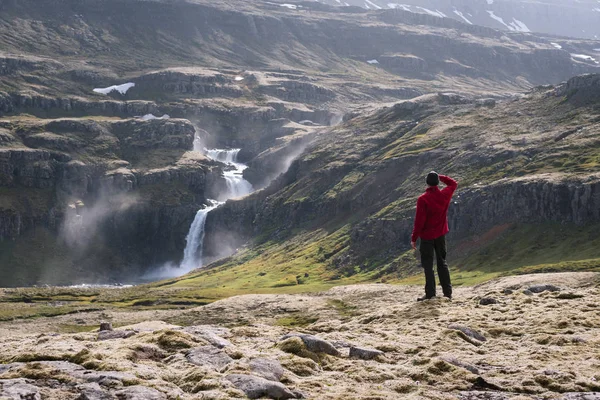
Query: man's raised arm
x: 450, y: 183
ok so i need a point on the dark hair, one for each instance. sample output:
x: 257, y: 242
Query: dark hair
x: 433, y: 179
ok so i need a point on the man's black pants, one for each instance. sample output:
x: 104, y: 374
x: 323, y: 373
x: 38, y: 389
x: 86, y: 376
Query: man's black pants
x: 428, y: 248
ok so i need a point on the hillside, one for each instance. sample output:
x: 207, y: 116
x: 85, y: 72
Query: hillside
x: 104, y: 192
x: 528, y: 173
x: 554, y: 17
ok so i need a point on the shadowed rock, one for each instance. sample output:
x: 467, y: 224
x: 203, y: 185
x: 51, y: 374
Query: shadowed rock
x: 473, y: 334
x: 486, y: 301
x: 209, y: 356
x: 255, y: 387
x: 268, y: 369
x: 106, y: 326
x: 365, y: 354
x: 104, y: 378
x: 543, y: 288
x: 458, y: 363
x: 107, y: 335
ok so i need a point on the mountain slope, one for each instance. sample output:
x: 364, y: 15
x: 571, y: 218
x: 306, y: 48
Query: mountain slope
x: 554, y: 17
x: 235, y: 74
x: 528, y: 169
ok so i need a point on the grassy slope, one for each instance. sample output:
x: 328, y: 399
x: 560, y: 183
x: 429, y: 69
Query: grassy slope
x: 368, y: 144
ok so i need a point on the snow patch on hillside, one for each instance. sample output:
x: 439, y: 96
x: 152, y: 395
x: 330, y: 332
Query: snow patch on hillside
x: 373, y: 62
x: 460, y: 14
x: 584, y: 57
x: 515, y: 25
x: 149, y: 117
x: 373, y: 4
x: 119, y: 88
x: 404, y: 7
x: 436, y: 13
x: 558, y: 46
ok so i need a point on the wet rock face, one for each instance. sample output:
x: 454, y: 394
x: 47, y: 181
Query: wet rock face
x: 98, y: 205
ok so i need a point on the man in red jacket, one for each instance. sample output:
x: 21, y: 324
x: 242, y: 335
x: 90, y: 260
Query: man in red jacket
x: 431, y: 225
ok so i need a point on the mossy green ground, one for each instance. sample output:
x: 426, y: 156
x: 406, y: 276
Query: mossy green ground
x: 299, y: 266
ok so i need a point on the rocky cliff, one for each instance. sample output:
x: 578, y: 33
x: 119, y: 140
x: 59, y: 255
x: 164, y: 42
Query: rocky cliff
x: 531, y: 165
x: 89, y: 187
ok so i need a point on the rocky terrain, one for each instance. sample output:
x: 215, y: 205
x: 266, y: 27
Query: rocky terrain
x: 526, y: 337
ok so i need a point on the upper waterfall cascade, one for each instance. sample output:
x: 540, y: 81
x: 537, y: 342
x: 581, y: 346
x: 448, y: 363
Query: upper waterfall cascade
x: 237, y: 186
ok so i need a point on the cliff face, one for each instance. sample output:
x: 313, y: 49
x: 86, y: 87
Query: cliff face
x: 530, y: 166
x: 110, y: 194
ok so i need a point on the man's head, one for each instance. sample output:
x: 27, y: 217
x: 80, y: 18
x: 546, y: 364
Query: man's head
x: 433, y: 178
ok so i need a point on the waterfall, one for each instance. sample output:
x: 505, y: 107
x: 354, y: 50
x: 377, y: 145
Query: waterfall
x: 237, y: 186
x: 192, y: 255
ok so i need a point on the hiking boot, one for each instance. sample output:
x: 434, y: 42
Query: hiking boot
x: 425, y: 298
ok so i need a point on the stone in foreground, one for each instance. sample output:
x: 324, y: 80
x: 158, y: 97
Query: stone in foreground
x: 543, y: 288
x: 209, y: 356
x: 255, y: 387
x: 267, y: 368
x: 315, y: 344
x: 140, y: 393
x: 365, y: 354
x: 19, y: 389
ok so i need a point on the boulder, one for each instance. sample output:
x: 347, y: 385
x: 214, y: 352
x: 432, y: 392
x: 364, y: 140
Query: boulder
x: 543, y: 288
x: 255, y: 387
x: 315, y: 344
x: 93, y: 391
x: 19, y: 389
x: 267, y: 368
x: 140, y: 393
x: 212, y: 334
x: 365, y: 354
x: 581, y: 396
x: 107, y: 335
x: 209, y: 356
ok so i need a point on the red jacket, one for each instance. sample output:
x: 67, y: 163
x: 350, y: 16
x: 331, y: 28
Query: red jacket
x: 431, y: 221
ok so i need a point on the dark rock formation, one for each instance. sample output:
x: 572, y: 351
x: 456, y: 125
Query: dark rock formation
x: 365, y: 354
x: 255, y: 387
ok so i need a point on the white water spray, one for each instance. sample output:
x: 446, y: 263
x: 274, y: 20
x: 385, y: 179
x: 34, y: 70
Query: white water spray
x: 192, y: 255
x: 237, y: 186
